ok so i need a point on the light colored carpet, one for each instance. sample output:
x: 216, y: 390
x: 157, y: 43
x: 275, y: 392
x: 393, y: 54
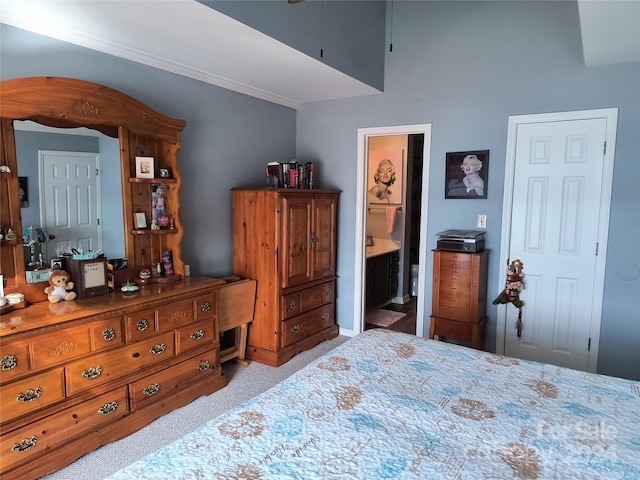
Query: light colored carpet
x: 383, y: 318
x: 244, y: 384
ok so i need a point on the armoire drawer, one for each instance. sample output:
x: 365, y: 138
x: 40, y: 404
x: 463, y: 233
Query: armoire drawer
x: 306, y: 300
x: 167, y: 382
x: 31, y: 440
x: 193, y: 336
x: 30, y: 394
x: 307, y: 324
x: 100, y: 368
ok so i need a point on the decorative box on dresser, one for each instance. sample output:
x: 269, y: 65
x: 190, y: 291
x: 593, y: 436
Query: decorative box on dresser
x: 459, y: 296
x: 286, y: 240
x: 79, y: 374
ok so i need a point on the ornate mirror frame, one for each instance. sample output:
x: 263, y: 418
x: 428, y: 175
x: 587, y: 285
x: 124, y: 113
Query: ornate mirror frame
x: 69, y: 103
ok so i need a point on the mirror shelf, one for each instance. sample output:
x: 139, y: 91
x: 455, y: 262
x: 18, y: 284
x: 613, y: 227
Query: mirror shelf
x: 141, y: 131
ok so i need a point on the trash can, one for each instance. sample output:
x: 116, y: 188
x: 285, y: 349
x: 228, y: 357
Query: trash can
x: 414, y: 279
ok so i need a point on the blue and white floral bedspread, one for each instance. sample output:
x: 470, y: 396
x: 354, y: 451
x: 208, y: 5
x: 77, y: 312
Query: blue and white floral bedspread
x: 385, y: 405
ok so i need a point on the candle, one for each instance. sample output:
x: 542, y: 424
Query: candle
x: 1, y: 285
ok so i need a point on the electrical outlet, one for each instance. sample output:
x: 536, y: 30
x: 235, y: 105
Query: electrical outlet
x: 482, y: 221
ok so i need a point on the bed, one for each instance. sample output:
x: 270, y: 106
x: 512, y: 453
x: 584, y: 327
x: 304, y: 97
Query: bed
x: 387, y: 405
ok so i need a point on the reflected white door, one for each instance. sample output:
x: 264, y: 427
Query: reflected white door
x: 555, y: 221
x: 69, y: 202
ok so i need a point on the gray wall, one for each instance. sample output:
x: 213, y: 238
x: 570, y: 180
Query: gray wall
x: 465, y: 67
x: 349, y: 34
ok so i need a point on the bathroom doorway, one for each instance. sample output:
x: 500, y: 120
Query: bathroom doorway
x: 409, y: 233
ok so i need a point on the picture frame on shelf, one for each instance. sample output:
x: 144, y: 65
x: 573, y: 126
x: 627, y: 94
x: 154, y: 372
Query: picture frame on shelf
x: 158, y: 201
x: 140, y: 220
x: 145, y: 167
x: 466, y: 174
x: 164, y: 173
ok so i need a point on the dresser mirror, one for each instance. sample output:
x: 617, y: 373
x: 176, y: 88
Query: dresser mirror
x: 53, y: 165
x: 128, y: 128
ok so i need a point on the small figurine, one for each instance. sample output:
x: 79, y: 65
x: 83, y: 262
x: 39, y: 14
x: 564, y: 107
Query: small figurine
x: 154, y: 225
x: 59, y: 287
x: 11, y: 234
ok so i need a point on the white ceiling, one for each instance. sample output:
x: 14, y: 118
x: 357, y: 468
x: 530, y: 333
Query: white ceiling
x: 190, y: 39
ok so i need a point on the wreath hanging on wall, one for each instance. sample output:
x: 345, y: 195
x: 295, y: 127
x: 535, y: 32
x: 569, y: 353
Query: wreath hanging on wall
x: 512, y: 289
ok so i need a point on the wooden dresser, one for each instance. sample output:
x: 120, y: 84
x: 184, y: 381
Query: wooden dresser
x: 76, y: 375
x: 459, y: 296
x: 286, y: 240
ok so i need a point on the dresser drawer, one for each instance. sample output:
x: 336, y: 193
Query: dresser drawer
x: 175, y: 315
x: 306, y: 300
x: 196, y: 335
x: 27, y: 443
x: 166, y: 383
x: 59, y: 346
x: 307, y: 324
x: 107, y: 333
x: 140, y: 325
x: 454, y: 289
x: 204, y: 306
x: 457, y: 330
x: 30, y: 394
x: 453, y: 313
x: 102, y: 367
x: 14, y: 360
x: 455, y: 257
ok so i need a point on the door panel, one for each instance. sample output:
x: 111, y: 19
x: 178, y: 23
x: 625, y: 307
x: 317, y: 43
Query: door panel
x: 324, y: 211
x: 296, y: 232
x: 554, y: 231
x: 70, y: 200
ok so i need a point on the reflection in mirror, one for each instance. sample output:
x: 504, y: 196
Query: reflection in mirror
x: 49, y: 159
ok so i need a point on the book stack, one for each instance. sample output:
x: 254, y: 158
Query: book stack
x: 290, y: 174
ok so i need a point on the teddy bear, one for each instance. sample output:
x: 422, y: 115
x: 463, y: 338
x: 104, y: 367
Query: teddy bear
x: 59, y: 286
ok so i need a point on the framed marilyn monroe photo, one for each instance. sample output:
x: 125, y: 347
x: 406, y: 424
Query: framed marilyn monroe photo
x: 466, y: 174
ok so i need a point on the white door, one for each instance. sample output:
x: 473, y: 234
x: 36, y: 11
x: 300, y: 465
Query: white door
x: 69, y: 200
x: 560, y: 192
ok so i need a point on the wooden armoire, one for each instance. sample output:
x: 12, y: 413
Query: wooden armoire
x: 286, y: 240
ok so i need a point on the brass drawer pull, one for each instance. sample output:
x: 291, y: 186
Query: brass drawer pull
x: 93, y: 372
x: 292, y: 305
x: 24, y: 445
x: 205, y: 306
x: 325, y: 316
x: 108, y: 408
x: 109, y: 334
x: 296, y: 329
x: 204, y: 365
x: 198, y: 335
x: 30, y: 395
x: 328, y: 293
x: 159, y: 349
x: 142, y: 325
x: 151, y: 389
x: 9, y: 362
